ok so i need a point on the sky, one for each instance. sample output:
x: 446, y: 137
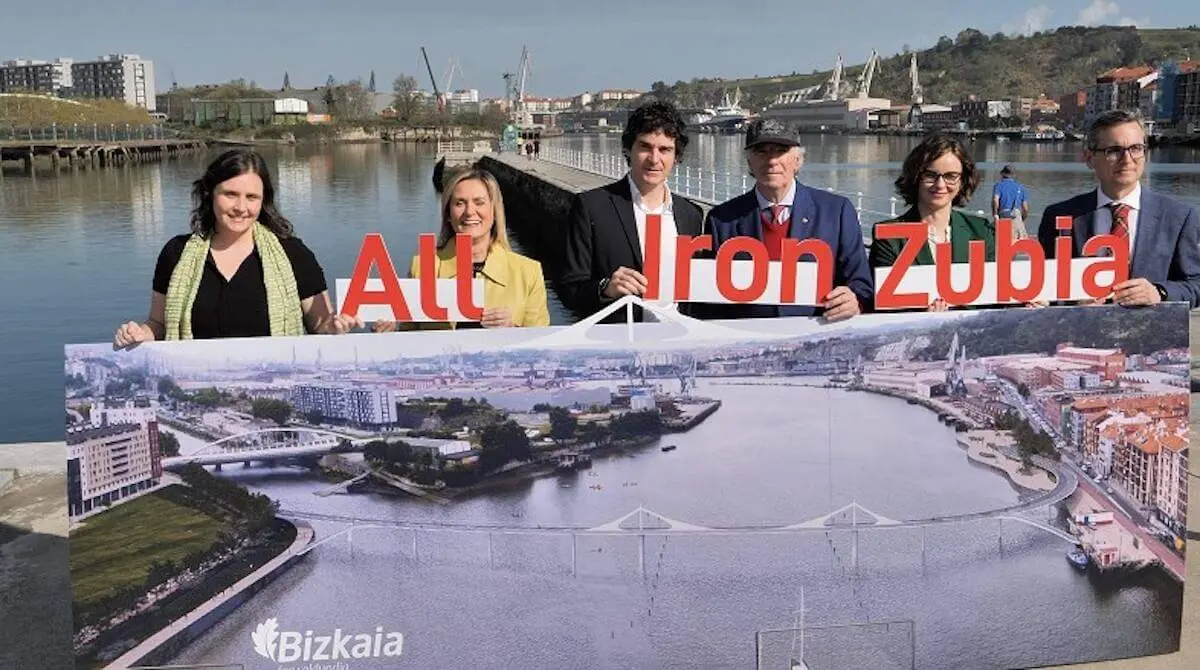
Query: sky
x: 574, y: 47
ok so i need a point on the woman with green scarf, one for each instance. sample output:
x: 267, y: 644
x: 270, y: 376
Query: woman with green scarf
x: 240, y: 272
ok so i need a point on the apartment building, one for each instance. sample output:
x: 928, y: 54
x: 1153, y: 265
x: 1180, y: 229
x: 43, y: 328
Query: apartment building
x: 36, y: 76
x: 110, y: 463
x: 363, y: 405
x: 125, y: 77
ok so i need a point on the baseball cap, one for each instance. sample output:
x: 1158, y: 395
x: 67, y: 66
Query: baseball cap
x: 770, y: 131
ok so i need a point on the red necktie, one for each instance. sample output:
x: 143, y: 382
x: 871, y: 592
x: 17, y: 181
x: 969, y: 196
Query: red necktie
x: 775, y: 230
x: 1120, y: 219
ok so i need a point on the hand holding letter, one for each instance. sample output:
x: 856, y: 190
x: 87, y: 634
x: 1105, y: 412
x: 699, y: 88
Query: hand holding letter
x: 1137, y: 292
x: 496, y: 317
x: 841, y: 304
x: 625, y: 281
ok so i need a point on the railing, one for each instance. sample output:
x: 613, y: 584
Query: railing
x: 85, y: 132
x: 451, y: 147
x: 710, y: 186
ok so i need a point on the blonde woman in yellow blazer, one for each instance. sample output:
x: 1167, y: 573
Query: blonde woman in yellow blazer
x: 514, y: 293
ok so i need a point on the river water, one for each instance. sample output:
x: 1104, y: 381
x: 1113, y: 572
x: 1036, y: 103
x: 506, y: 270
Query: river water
x: 986, y: 594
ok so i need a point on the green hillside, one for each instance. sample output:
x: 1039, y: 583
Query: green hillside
x: 996, y: 66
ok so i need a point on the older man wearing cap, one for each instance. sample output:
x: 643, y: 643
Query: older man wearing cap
x: 780, y: 207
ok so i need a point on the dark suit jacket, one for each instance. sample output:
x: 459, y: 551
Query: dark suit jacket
x: 815, y: 214
x: 602, y: 236
x: 964, y: 228
x: 1166, y: 250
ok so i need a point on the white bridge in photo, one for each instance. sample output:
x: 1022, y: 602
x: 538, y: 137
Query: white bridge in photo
x: 268, y: 444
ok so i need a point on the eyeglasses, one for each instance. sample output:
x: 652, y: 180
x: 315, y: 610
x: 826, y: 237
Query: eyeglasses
x: 931, y: 177
x: 1113, y: 154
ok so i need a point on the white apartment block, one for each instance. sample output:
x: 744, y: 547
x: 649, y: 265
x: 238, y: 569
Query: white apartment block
x: 110, y: 463
x: 618, y: 94
x: 1172, y: 486
x: 129, y: 412
x: 463, y: 96
x: 125, y: 77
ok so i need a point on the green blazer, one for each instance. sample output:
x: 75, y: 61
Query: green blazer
x: 964, y: 228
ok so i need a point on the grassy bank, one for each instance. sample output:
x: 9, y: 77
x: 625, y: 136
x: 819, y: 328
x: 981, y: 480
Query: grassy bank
x: 36, y: 111
x: 121, y: 638
x: 114, y: 550
x: 215, y: 529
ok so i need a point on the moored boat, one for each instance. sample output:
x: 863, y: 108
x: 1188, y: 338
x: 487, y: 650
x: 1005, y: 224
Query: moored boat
x: 1078, y: 558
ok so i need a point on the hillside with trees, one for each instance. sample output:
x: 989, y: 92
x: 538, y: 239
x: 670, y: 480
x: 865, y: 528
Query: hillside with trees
x: 997, y: 66
x: 1010, y: 331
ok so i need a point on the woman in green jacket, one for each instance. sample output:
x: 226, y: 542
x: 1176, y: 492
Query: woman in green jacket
x: 938, y: 175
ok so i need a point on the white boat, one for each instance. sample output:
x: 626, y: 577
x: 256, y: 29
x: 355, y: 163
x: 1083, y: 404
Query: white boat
x: 1047, y: 135
x: 729, y: 110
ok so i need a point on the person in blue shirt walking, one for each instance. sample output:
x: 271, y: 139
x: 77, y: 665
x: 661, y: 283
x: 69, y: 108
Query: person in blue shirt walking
x: 1009, y: 201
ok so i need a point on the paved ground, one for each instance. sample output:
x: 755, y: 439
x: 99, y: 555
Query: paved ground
x: 33, y: 559
x: 569, y: 179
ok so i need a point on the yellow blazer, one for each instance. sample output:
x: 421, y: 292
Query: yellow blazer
x: 509, y: 280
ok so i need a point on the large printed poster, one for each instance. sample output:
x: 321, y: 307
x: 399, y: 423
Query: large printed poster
x: 982, y: 489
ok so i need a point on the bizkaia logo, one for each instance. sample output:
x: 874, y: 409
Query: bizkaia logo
x: 293, y: 646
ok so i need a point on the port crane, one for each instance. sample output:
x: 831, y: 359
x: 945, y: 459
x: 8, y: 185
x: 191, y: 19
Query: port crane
x: 833, y: 88
x: 441, y: 103
x: 918, y: 98
x: 867, y: 74
x: 514, y: 87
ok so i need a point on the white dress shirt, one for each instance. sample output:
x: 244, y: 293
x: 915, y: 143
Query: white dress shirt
x: 668, y: 233
x: 786, y: 200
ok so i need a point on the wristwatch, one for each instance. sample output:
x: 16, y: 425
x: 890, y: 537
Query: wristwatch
x: 600, y: 288
x: 1162, y: 292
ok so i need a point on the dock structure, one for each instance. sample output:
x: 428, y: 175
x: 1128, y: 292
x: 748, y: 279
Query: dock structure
x: 91, y: 153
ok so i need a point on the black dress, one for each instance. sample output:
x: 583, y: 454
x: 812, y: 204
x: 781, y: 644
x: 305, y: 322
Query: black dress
x: 238, y: 307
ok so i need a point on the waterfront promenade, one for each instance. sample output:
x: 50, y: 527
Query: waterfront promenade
x: 217, y: 606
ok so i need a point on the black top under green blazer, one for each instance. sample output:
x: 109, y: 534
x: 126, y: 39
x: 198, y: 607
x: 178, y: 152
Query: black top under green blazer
x: 964, y: 228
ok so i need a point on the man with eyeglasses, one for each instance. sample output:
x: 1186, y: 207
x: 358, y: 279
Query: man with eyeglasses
x: 780, y: 207
x: 1163, y: 233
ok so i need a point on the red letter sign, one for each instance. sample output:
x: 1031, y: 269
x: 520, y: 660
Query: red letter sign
x: 374, y: 251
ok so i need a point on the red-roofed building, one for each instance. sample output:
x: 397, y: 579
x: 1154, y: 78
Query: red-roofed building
x: 1119, y: 88
x: 1088, y: 414
x: 1171, y: 496
x: 1109, y: 362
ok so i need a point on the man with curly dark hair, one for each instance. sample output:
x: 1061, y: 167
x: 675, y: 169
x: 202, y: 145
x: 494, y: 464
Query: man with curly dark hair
x: 606, y: 228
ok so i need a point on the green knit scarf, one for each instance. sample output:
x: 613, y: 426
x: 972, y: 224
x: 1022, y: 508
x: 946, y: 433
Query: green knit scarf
x: 283, y: 306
